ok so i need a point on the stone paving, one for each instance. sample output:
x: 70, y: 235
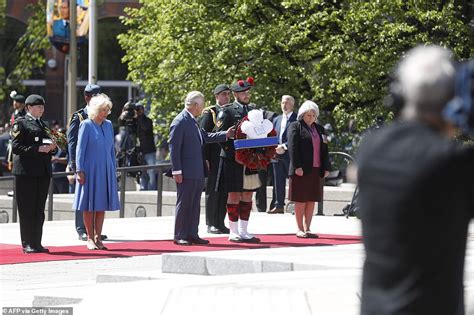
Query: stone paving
x: 137, y: 285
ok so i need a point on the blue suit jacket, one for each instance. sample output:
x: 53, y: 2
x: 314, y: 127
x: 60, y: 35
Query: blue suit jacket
x: 284, y: 137
x: 186, y: 149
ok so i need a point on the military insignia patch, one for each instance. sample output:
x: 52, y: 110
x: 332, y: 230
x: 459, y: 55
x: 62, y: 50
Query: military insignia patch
x: 219, y: 123
x: 15, y: 130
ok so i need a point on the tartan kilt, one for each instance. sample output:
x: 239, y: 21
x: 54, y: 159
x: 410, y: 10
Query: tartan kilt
x: 231, y: 177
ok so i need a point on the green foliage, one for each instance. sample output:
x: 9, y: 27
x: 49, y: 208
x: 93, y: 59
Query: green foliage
x: 31, y: 45
x: 29, y: 50
x: 338, y: 53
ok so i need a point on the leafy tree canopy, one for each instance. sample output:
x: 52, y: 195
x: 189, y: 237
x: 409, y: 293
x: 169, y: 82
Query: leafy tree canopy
x: 29, y: 50
x: 338, y: 53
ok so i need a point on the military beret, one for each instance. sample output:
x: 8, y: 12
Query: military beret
x: 35, y: 99
x: 242, y: 85
x: 221, y: 88
x: 17, y: 97
x: 91, y: 89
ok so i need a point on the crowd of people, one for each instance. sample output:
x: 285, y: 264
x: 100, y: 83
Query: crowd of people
x: 411, y: 197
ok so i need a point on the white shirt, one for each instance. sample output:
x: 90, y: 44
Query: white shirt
x: 284, y: 121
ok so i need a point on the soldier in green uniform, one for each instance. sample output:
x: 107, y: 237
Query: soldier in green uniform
x: 18, y: 111
x: 215, y: 200
x: 231, y: 173
x: 32, y: 149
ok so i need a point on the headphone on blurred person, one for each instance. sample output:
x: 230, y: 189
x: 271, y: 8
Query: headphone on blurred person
x: 460, y: 110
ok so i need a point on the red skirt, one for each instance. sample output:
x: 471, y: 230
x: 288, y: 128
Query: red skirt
x: 306, y: 188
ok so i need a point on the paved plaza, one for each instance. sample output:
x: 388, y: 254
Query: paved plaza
x: 326, y: 282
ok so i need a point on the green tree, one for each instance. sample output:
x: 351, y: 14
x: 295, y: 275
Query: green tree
x: 338, y: 53
x: 29, y: 50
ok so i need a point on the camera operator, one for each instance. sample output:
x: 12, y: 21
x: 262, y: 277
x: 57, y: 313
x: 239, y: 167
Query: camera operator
x: 147, y: 148
x: 128, y: 153
x: 416, y: 197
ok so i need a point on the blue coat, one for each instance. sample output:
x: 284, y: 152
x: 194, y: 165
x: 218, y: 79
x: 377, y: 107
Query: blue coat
x: 186, y: 148
x: 95, y: 156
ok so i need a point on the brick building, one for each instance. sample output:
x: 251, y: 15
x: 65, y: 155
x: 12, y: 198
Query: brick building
x: 51, y: 80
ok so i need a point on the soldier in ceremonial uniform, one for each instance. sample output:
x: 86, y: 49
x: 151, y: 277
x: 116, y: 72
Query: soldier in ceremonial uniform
x: 32, y: 150
x: 18, y: 111
x: 215, y: 200
x: 231, y: 173
x: 72, y: 138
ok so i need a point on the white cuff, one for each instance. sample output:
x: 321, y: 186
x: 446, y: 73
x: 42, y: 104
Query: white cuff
x: 284, y: 147
x: 177, y: 172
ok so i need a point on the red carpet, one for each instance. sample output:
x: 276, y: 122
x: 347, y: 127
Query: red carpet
x: 12, y: 254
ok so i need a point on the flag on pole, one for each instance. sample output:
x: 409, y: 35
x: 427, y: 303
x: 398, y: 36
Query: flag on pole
x: 57, y: 22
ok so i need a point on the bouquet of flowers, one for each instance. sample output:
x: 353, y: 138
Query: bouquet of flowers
x: 58, y: 138
x: 254, y: 158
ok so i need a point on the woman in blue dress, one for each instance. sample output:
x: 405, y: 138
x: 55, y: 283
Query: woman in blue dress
x: 96, y: 191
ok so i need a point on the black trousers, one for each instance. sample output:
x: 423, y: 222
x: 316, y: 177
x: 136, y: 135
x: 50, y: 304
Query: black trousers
x: 31, y: 193
x: 266, y: 178
x: 216, y: 201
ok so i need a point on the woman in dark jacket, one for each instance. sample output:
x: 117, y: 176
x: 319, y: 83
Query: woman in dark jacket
x: 309, y: 163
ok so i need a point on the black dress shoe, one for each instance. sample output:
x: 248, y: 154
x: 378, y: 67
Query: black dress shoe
x: 253, y: 240
x: 182, y: 242
x: 103, y: 237
x: 224, y: 230
x: 198, y: 240
x: 83, y: 236
x: 29, y: 250
x: 41, y: 249
x: 213, y: 230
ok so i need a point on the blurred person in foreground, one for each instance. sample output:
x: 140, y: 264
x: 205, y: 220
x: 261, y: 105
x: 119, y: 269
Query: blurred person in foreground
x: 96, y: 187
x: 416, y: 197
x: 309, y: 165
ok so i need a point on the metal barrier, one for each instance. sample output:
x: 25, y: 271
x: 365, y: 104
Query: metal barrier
x: 123, y: 175
x: 345, y: 155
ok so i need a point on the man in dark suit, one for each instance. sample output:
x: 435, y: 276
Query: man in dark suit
x: 32, y: 148
x: 280, y: 165
x: 215, y: 200
x: 189, y: 167
x: 416, y: 197
x: 72, y: 138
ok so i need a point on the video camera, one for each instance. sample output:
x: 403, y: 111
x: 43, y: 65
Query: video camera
x: 460, y: 110
x: 129, y: 114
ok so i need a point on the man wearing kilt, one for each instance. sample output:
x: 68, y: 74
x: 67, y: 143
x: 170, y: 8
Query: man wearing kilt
x: 231, y: 174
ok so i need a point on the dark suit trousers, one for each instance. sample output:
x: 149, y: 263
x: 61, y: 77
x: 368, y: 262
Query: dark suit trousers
x: 216, y: 201
x: 188, y: 208
x: 280, y: 174
x: 31, y: 193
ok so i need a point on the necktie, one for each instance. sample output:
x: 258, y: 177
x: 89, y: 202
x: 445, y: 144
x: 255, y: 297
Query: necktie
x: 284, y: 120
x: 38, y: 121
x: 199, y: 130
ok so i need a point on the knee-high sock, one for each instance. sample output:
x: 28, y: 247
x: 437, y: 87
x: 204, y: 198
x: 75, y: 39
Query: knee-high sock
x: 244, y: 210
x: 233, y: 212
